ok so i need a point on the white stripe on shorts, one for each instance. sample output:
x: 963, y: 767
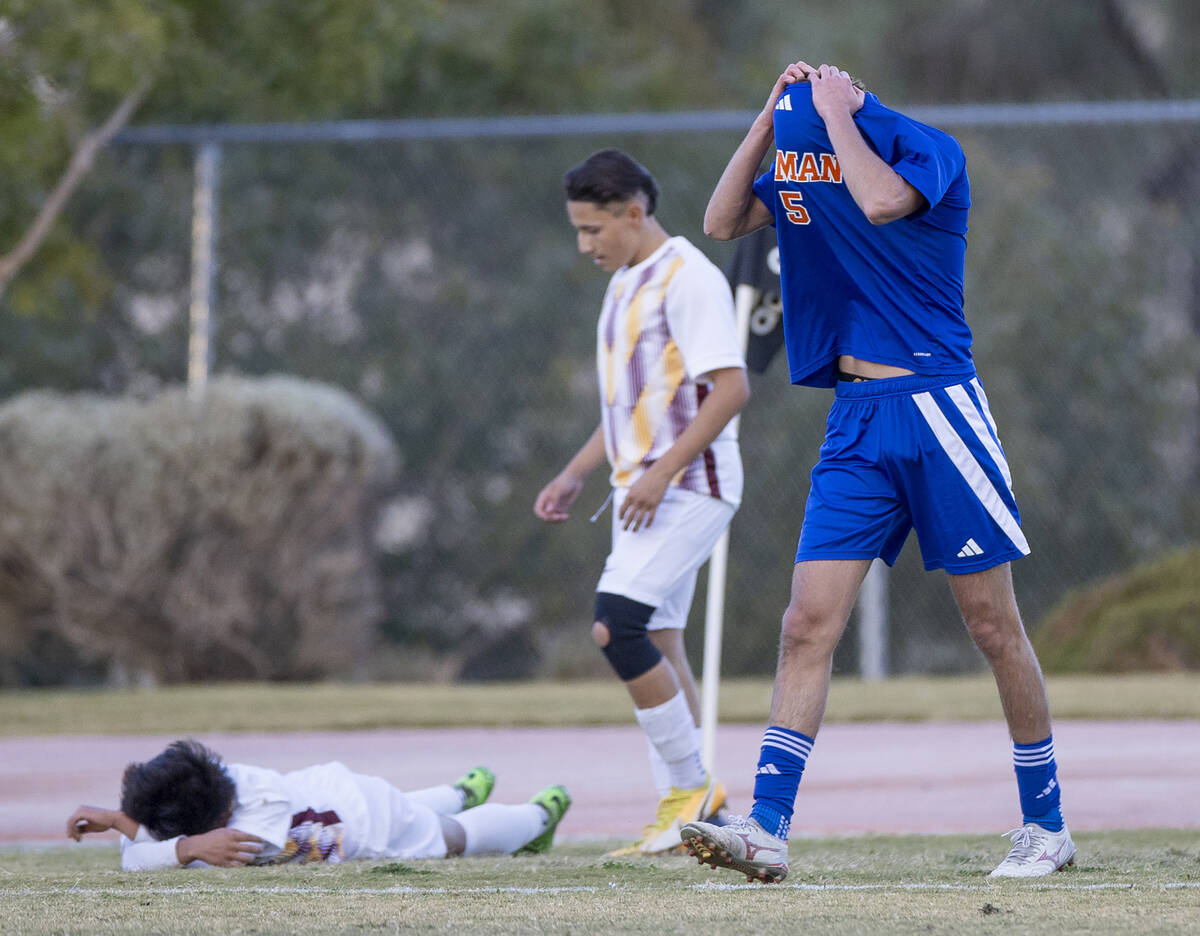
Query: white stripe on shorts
x: 962, y: 400
x: 970, y: 469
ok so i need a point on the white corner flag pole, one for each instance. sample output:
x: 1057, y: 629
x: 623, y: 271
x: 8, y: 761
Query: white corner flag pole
x: 745, y: 297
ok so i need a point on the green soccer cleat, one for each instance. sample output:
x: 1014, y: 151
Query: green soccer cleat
x: 476, y: 785
x: 556, y: 801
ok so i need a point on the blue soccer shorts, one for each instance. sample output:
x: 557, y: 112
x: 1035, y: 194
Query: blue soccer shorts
x: 914, y: 452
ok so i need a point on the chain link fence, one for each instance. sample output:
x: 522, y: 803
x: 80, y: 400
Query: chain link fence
x: 436, y: 279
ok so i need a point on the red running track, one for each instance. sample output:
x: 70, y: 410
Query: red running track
x: 863, y: 778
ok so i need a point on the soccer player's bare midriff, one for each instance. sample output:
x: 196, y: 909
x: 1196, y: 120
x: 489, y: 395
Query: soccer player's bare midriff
x: 848, y: 364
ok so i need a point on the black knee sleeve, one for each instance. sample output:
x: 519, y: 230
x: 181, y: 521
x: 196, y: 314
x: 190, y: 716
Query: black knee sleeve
x: 629, y: 649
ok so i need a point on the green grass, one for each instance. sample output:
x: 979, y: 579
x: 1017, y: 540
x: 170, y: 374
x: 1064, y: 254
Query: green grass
x: 1143, y: 882
x: 342, y: 707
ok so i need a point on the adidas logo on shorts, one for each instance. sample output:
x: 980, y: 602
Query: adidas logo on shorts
x: 970, y: 548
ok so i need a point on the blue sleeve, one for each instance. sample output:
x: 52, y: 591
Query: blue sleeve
x: 764, y: 188
x: 928, y: 161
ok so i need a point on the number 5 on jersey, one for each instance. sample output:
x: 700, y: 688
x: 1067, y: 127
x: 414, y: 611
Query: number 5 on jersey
x: 796, y: 212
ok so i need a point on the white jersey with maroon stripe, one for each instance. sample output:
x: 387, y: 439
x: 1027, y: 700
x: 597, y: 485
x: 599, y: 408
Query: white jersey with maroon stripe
x: 325, y: 812
x: 666, y: 322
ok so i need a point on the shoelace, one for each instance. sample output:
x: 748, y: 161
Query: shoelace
x: 1023, y: 847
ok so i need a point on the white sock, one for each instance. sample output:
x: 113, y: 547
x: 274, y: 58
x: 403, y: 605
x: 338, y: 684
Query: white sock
x: 445, y: 800
x: 673, y: 733
x: 496, y: 829
x: 658, y: 766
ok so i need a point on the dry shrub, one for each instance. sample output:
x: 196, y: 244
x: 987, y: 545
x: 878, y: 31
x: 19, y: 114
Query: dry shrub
x: 179, y: 539
x: 1146, y: 619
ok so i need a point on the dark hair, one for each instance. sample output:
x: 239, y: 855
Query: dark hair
x: 610, y: 176
x: 183, y: 791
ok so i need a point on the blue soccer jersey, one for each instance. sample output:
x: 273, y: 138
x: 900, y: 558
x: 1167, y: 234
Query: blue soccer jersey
x: 890, y: 293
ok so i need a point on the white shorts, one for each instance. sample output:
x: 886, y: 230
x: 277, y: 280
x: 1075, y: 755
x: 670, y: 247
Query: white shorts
x: 658, y: 565
x: 400, y: 827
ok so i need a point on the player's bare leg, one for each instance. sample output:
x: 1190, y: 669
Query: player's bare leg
x: 663, y: 711
x: 823, y: 594
x: 657, y: 685
x: 669, y: 641
x: 1042, y: 844
x: 989, y: 609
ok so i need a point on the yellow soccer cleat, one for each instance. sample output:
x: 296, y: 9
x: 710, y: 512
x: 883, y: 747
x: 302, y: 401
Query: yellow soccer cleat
x: 675, y: 809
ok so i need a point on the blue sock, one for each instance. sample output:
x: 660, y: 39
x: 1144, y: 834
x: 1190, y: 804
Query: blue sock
x: 1037, y: 784
x: 780, y: 764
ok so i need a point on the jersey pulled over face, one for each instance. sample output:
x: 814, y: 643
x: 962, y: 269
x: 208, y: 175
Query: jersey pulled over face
x: 892, y: 293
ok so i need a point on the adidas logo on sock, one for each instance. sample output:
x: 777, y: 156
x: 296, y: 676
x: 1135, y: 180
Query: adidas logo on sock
x: 970, y: 548
x: 769, y: 769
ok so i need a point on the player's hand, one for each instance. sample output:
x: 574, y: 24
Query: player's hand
x: 225, y: 848
x: 796, y: 71
x: 87, y: 819
x: 555, y: 500
x: 641, y: 503
x: 834, y: 92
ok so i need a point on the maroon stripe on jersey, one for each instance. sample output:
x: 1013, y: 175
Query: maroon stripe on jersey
x: 636, y: 373
x: 677, y: 411
x: 311, y: 815
x: 606, y: 413
x: 710, y: 459
x: 610, y: 321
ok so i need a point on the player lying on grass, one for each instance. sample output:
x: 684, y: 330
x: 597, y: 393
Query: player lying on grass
x: 187, y: 807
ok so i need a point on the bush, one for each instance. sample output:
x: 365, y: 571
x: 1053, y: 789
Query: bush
x: 173, y: 539
x: 1145, y: 619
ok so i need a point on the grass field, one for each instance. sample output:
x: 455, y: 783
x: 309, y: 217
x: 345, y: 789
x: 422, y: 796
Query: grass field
x: 1143, y: 882
x: 1129, y: 881
x: 345, y: 707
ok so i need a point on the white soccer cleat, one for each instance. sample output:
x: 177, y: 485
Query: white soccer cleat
x: 742, y: 845
x: 1036, y: 852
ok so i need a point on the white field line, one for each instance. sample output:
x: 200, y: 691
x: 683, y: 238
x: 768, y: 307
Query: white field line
x: 409, y: 890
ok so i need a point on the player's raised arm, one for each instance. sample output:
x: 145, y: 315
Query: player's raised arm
x: 734, y: 209
x: 881, y: 192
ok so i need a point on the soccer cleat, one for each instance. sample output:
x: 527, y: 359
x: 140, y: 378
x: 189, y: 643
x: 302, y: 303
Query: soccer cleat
x: 476, y: 785
x: 1036, y: 852
x: 742, y: 845
x: 556, y: 801
x: 674, y: 809
x: 716, y: 806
